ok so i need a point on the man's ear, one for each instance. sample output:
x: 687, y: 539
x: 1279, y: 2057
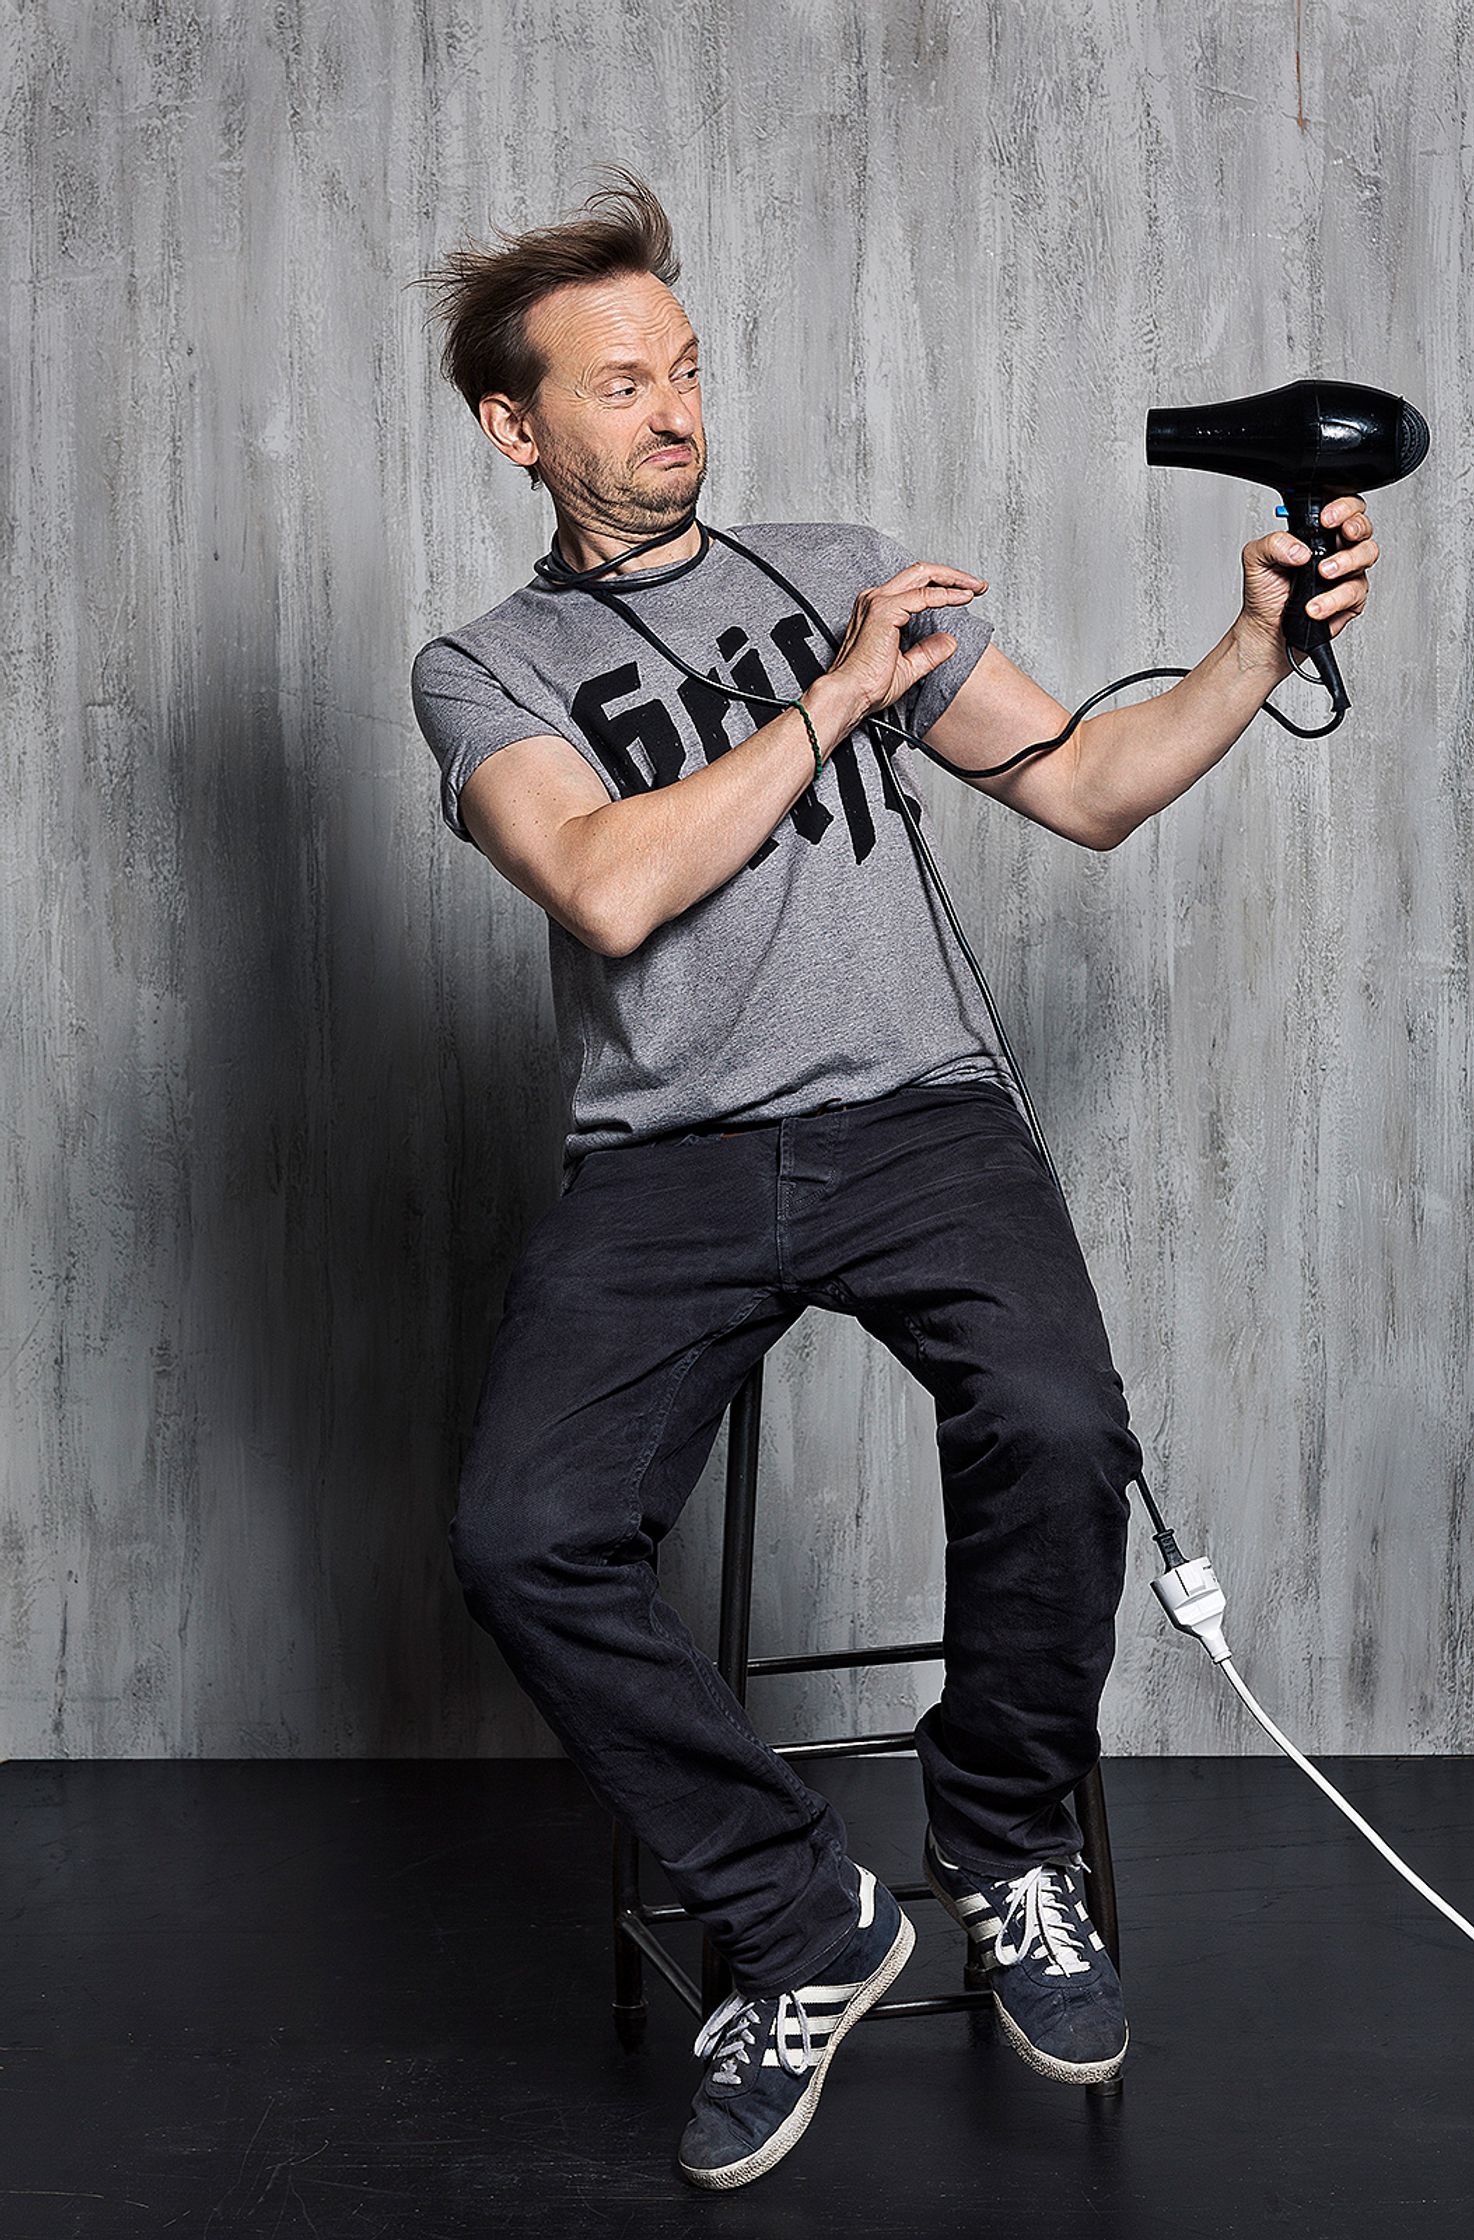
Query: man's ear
x: 505, y: 422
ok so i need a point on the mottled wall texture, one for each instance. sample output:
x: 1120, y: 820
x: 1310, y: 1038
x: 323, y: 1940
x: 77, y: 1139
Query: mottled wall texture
x: 281, y: 1093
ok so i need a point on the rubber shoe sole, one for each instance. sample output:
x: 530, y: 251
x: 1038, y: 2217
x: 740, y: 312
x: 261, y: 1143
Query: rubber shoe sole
x: 1047, y: 2064
x: 800, y: 2115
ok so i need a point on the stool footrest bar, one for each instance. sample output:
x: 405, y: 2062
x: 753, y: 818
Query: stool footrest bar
x: 909, y: 1652
x: 847, y: 1746
x: 953, y: 2002
x: 683, y: 1913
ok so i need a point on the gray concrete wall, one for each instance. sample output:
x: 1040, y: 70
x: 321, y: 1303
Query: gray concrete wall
x: 281, y: 1087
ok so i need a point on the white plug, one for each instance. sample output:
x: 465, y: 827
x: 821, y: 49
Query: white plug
x: 1194, y: 1601
x: 1192, y: 1598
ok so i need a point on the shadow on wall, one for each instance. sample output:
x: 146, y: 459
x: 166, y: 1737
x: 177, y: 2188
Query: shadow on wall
x: 368, y: 1150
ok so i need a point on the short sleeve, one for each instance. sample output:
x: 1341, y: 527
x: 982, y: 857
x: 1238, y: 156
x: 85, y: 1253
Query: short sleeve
x: 969, y: 626
x: 465, y: 714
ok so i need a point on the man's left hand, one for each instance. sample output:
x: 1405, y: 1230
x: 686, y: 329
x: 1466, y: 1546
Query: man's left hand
x: 1271, y: 563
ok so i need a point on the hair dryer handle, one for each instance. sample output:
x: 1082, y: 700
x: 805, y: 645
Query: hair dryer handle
x: 1302, y: 630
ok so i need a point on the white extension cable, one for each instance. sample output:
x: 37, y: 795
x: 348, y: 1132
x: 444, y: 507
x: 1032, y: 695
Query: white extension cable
x: 1194, y: 1601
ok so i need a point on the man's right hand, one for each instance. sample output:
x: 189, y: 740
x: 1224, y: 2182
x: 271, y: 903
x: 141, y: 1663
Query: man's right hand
x: 870, y: 662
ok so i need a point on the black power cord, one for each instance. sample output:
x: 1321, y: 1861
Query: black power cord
x: 1188, y: 1590
x: 556, y: 572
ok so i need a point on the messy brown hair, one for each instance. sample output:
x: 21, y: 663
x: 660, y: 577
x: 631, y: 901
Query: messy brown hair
x: 483, y: 295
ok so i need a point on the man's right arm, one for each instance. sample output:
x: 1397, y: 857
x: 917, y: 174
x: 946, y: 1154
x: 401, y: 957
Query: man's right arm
x: 611, y: 871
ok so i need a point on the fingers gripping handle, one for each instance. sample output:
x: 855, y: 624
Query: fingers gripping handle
x: 1303, y: 631
x: 1308, y: 633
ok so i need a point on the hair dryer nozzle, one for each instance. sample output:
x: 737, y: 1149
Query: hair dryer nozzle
x: 1412, y: 439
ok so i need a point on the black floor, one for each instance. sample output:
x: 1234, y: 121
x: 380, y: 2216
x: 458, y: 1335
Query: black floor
x: 348, y: 2000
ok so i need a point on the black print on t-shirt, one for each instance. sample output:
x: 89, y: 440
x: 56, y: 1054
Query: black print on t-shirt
x: 667, y: 746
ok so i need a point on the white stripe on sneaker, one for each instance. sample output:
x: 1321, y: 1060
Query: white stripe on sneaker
x: 971, y: 1902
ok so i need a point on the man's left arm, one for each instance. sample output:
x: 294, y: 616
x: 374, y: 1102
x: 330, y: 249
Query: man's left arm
x: 1120, y: 767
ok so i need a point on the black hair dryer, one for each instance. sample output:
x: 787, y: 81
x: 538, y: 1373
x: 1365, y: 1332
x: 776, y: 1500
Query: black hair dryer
x: 1312, y: 441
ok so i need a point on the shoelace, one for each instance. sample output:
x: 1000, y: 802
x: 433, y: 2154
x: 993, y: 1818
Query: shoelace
x: 729, y: 2033
x: 1046, y: 1926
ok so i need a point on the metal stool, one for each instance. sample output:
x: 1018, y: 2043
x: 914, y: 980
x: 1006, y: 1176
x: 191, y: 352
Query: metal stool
x: 635, y: 1940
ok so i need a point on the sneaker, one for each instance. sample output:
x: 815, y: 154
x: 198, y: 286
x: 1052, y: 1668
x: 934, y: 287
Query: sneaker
x: 768, y: 2058
x: 1053, y: 1982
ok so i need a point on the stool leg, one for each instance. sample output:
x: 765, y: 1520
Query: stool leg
x: 744, y: 1419
x: 743, y: 1423
x: 1100, y: 1883
x: 1095, y: 1849
x: 631, y: 2009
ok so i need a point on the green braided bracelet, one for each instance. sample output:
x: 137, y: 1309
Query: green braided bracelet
x: 813, y: 735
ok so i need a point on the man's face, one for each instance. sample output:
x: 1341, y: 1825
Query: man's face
x: 617, y: 418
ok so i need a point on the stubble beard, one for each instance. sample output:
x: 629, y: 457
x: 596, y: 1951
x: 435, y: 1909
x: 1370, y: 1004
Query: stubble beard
x: 638, y: 502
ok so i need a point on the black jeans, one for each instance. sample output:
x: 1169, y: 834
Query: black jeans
x: 640, y: 1301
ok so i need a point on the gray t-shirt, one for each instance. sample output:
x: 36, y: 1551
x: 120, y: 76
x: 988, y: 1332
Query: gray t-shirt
x: 824, y: 968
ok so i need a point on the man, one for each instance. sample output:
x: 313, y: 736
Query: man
x: 782, y: 1091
